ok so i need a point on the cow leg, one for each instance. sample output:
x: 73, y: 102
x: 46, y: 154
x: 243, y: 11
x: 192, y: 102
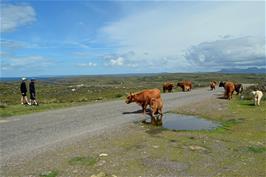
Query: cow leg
x: 143, y: 109
x: 225, y: 95
x: 144, y: 106
x: 259, y: 98
x: 153, y: 121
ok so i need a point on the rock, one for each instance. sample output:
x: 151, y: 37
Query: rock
x: 155, y: 146
x: 103, y: 155
x: 75, y: 171
x: 101, y: 163
x: 195, y: 147
x: 46, y: 173
x: 101, y: 174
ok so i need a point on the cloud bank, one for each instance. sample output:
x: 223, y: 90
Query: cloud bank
x: 13, y: 16
x: 238, y: 52
x: 163, y: 36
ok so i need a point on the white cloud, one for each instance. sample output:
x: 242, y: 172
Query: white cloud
x: 13, y: 16
x: 90, y: 64
x: 166, y: 32
x: 117, y: 62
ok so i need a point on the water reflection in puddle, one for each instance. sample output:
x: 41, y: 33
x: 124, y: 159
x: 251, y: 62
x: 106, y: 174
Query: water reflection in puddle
x: 185, y: 122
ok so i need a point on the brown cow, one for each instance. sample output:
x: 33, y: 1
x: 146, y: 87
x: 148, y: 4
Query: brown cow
x: 185, y: 85
x: 238, y: 88
x: 143, y: 98
x: 157, y: 108
x: 168, y: 86
x: 213, y: 85
x: 229, y: 89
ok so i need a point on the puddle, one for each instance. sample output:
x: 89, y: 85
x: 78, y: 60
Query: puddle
x: 185, y: 122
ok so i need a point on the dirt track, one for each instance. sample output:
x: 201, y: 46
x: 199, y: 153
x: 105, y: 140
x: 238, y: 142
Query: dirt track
x: 31, y: 134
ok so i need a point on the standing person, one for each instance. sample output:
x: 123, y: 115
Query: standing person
x: 32, y: 92
x: 23, y: 90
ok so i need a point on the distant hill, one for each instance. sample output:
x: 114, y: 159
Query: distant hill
x: 253, y: 70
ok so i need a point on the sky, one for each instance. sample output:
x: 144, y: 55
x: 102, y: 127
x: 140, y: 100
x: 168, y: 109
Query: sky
x: 46, y: 38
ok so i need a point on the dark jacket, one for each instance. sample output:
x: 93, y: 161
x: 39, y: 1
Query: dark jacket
x: 23, y: 88
x: 32, y: 87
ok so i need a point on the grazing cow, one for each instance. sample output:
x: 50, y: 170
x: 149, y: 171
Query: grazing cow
x: 213, y: 85
x: 238, y: 88
x: 143, y: 98
x: 168, y: 86
x: 257, y: 96
x: 185, y: 85
x: 229, y: 89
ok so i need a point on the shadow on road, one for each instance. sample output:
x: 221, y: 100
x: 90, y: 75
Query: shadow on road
x: 134, y: 112
x: 148, y: 112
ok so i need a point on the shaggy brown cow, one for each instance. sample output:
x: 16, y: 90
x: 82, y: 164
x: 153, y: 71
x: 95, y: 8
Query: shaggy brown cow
x: 213, y: 85
x: 238, y: 88
x: 168, y: 86
x: 143, y: 98
x: 229, y: 89
x: 185, y: 85
x: 157, y: 108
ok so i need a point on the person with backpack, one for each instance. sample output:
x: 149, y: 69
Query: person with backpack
x: 32, y: 92
x: 23, y: 90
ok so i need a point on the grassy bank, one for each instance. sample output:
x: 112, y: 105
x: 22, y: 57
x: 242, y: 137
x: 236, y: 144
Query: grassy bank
x: 56, y: 93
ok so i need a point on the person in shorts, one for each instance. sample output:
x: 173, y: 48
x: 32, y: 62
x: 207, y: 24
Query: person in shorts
x: 32, y: 92
x: 23, y: 90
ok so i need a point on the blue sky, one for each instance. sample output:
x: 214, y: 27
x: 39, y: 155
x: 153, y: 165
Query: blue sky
x: 111, y: 37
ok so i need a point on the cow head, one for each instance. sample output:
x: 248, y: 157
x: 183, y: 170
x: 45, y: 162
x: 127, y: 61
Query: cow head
x: 130, y: 98
x: 179, y: 84
x: 221, y: 84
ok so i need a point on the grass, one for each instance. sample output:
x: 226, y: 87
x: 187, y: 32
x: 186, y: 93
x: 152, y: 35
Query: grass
x: 89, y: 161
x: 56, y: 93
x: 256, y: 149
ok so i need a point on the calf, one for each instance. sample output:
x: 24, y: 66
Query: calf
x: 143, y: 98
x: 257, y: 96
x: 156, y: 106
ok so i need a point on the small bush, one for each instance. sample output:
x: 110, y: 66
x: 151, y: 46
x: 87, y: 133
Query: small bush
x: 119, y: 95
x: 3, y: 105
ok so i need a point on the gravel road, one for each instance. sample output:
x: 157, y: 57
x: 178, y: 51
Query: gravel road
x: 24, y: 134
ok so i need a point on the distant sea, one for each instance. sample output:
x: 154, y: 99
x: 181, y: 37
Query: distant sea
x: 45, y: 78
x: 6, y: 79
